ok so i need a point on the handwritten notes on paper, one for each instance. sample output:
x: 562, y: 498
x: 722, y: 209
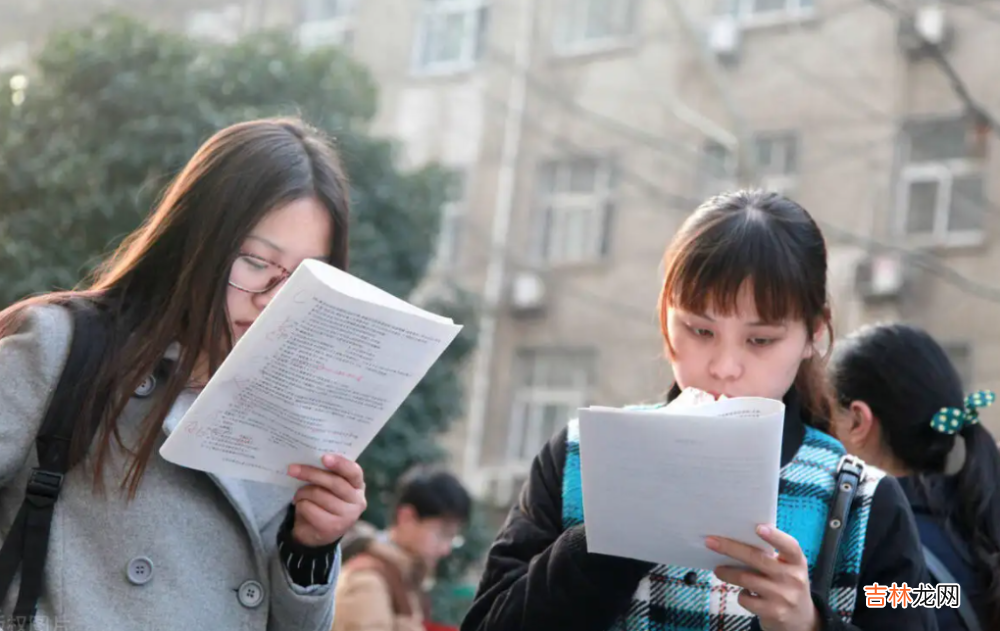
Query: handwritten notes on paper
x: 320, y: 371
x: 657, y: 482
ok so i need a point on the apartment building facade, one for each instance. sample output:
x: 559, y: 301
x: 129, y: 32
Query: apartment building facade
x: 586, y: 130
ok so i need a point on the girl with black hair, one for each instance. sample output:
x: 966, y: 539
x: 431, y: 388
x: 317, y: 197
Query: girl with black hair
x: 742, y: 308
x: 901, y: 407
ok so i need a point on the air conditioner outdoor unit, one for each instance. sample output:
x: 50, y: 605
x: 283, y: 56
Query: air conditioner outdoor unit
x: 927, y: 26
x: 880, y: 277
x: 527, y: 292
x: 931, y: 24
x: 724, y: 38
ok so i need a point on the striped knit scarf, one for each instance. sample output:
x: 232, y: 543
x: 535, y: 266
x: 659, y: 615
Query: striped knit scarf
x: 672, y: 598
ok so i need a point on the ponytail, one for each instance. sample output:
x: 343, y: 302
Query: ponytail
x: 978, y: 515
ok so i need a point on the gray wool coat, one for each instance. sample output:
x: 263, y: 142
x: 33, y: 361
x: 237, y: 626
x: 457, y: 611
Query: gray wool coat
x: 191, y: 551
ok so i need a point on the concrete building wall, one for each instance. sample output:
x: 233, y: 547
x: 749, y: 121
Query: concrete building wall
x: 648, y: 101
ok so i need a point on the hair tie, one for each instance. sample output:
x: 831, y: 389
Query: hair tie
x: 952, y: 420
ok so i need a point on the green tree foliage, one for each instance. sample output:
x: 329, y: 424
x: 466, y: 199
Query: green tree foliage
x: 113, y: 110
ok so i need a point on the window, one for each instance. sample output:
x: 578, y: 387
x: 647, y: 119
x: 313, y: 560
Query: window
x: 504, y: 486
x: 775, y: 159
x: 752, y: 10
x: 221, y: 25
x: 327, y: 23
x: 551, y: 385
x: 573, y: 217
x: 451, y: 35
x: 452, y: 218
x: 14, y: 57
x: 319, y: 10
x: 960, y: 355
x: 941, y: 189
x: 582, y: 25
x: 718, y: 169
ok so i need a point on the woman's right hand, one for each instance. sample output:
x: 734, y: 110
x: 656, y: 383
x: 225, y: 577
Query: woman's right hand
x: 776, y: 589
x: 331, y: 503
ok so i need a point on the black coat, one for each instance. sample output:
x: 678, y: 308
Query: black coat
x: 945, y: 543
x: 540, y: 576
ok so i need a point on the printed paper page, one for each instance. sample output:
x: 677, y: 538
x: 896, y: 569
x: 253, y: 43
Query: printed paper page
x: 657, y: 483
x: 319, y: 372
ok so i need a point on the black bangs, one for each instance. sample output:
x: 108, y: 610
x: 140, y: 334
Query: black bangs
x: 749, y: 250
x: 760, y: 242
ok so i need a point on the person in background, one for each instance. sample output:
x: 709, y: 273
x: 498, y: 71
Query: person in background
x: 901, y: 406
x: 384, y: 580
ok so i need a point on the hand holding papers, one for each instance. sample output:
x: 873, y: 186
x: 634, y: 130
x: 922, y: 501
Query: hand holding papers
x: 657, y: 482
x: 320, y: 371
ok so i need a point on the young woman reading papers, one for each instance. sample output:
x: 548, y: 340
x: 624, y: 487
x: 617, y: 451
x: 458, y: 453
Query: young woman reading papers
x: 742, y: 309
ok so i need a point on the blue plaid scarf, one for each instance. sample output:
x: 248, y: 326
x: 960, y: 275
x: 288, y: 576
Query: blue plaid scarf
x: 668, y: 599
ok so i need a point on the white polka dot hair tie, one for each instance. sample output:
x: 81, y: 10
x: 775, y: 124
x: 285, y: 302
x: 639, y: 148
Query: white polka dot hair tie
x: 952, y: 420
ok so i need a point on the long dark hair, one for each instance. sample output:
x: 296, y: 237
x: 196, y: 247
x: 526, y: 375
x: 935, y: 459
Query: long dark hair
x: 167, y: 281
x: 773, y: 243
x: 905, y: 377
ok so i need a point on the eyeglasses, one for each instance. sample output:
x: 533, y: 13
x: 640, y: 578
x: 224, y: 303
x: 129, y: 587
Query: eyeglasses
x: 256, y: 275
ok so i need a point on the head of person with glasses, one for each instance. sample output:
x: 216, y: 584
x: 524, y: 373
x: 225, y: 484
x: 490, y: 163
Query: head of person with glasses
x: 299, y: 212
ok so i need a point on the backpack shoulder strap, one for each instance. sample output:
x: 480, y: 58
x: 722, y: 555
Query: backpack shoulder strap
x: 26, y: 545
x: 850, y: 471
x: 939, y: 572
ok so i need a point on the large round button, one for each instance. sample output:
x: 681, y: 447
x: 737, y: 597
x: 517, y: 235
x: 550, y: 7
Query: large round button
x: 139, y: 571
x: 691, y: 578
x: 146, y: 387
x: 251, y: 594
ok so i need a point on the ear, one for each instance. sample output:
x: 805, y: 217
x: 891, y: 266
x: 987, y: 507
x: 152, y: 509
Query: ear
x: 860, y: 425
x: 405, y: 515
x: 809, y: 350
x: 820, y: 335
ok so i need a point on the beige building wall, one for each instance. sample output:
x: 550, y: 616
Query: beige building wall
x: 620, y: 99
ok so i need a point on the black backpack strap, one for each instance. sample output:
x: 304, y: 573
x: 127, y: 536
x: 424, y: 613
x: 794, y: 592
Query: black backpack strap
x: 849, y: 474
x: 939, y: 572
x: 26, y: 545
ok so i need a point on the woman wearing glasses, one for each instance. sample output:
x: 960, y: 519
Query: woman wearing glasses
x: 135, y: 541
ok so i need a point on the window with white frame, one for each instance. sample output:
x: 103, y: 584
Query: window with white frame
x: 575, y: 206
x: 452, y: 220
x: 752, y: 10
x: 327, y: 23
x: 224, y: 24
x: 718, y: 169
x: 941, y: 195
x: 550, y: 386
x: 775, y: 160
x: 583, y: 25
x: 451, y: 35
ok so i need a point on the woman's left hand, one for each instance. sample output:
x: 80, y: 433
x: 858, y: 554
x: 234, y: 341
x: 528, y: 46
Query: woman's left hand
x: 776, y: 590
x: 330, y: 504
